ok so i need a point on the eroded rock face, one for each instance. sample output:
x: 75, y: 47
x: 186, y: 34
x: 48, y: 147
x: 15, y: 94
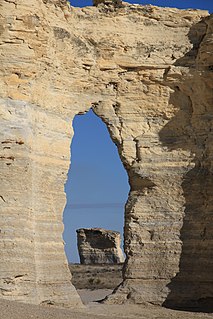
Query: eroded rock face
x: 99, y: 246
x: 107, y: 2
x: 147, y: 72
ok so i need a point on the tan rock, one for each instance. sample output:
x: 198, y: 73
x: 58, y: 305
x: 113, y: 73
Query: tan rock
x: 113, y: 2
x: 99, y: 246
x: 149, y: 77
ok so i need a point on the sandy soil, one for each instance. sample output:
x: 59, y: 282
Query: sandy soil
x: 88, y: 295
x: 94, y: 277
x: 15, y: 310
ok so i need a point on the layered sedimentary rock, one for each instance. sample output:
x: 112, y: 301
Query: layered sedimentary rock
x: 108, y: 2
x: 99, y: 246
x: 147, y: 72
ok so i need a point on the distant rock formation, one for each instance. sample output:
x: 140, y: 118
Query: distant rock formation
x: 99, y: 246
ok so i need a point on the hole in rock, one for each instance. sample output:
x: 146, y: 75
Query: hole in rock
x: 97, y: 189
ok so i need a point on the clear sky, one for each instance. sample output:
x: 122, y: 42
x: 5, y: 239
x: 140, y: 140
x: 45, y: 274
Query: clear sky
x: 97, y: 186
x: 182, y: 4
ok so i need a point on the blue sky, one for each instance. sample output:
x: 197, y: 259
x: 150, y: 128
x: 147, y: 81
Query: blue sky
x: 97, y: 186
x: 182, y: 4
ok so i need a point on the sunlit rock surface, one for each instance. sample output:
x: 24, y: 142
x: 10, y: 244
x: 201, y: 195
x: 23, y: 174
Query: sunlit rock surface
x: 147, y: 72
x: 99, y: 246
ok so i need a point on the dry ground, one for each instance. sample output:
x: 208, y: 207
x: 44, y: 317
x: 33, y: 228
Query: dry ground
x: 94, y: 277
x: 15, y: 310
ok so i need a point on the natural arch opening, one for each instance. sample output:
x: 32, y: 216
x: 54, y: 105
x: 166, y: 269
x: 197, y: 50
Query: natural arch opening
x: 97, y: 189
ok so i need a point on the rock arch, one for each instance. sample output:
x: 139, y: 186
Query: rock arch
x: 147, y: 73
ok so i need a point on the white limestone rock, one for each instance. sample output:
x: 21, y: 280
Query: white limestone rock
x: 99, y: 246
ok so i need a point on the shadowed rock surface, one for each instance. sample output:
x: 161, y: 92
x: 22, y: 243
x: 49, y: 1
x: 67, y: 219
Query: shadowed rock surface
x: 147, y: 73
x: 99, y: 246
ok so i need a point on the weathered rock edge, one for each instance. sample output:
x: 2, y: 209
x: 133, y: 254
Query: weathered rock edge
x: 147, y: 72
x: 99, y: 246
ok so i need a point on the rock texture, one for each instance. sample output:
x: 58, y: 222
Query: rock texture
x: 147, y: 72
x: 108, y: 2
x: 99, y: 246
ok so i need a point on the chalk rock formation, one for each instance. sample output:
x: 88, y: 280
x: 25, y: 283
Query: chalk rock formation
x: 111, y: 2
x: 99, y: 246
x: 147, y: 72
